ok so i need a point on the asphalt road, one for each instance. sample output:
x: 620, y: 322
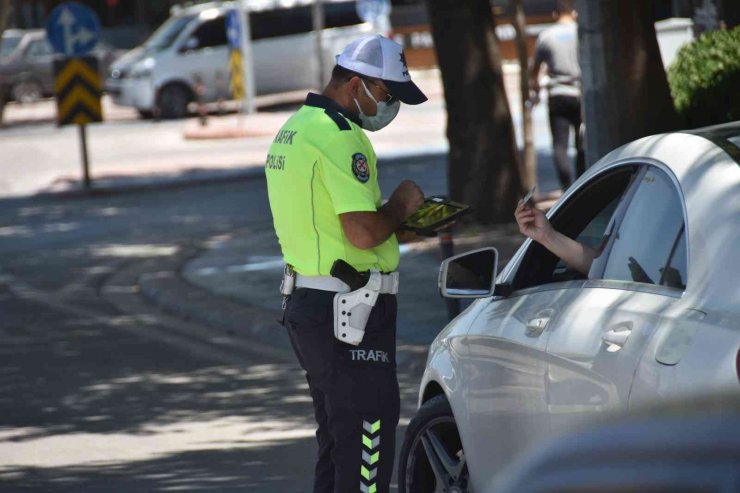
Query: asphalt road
x: 102, y: 392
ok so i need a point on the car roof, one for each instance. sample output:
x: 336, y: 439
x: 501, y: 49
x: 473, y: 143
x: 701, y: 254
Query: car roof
x: 254, y: 5
x: 725, y: 136
x: 16, y: 33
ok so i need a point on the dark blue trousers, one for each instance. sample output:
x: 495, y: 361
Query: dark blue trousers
x: 354, y: 390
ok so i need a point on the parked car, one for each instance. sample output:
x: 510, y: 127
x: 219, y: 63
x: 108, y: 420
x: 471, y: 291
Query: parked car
x: 542, y: 347
x: 190, y: 50
x: 689, y: 446
x: 27, y: 64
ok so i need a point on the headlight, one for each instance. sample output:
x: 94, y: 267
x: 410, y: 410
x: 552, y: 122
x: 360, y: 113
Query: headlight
x: 143, y: 69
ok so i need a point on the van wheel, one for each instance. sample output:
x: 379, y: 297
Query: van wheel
x: 173, y: 101
x: 432, y: 457
x: 27, y: 91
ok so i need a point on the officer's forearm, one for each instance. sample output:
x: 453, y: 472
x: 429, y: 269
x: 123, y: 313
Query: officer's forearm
x: 369, y: 229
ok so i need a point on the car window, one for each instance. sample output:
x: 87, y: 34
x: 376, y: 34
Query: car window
x: 299, y: 20
x: 39, y: 48
x: 211, y: 33
x: 9, y: 44
x: 168, y: 32
x: 593, y: 234
x: 280, y: 22
x: 650, y: 243
x: 585, y: 217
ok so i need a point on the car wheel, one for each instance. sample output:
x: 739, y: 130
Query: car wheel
x: 432, y: 457
x: 27, y: 91
x: 173, y: 101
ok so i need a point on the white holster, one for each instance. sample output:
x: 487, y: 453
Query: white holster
x: 352, y: 310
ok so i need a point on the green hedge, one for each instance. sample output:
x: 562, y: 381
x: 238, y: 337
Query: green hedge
x: 705, y: 79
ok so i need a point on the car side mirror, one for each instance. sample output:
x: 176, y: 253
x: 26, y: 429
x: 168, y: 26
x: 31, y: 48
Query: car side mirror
x: 469, y: 275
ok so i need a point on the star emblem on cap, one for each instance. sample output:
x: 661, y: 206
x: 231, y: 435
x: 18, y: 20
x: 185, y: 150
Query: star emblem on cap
x: 403, y: 60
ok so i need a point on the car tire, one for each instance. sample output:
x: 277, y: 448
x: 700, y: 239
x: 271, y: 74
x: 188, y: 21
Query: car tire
x: 173, y: 101
x: 432, y: 458
x: 27, y: 91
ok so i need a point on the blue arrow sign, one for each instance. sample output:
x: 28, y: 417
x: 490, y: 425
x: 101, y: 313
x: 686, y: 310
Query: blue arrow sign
x: 233, y: 30
x: 73, y: 29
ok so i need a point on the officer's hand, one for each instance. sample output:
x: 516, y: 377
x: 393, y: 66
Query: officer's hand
x: 408, y: 197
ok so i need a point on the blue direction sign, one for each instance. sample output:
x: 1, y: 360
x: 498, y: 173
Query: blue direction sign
x: 372, y: 10
x: 233, y: 30
x: 73, y: 29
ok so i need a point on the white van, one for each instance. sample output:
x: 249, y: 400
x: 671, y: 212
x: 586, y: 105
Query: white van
x: 191, y: 49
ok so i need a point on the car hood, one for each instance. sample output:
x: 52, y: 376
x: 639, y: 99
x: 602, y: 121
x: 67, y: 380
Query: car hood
x: 130, y: 58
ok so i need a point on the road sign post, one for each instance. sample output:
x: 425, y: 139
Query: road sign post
x: 236, y: 61
x: 240, y: 39
x: 318, y: 29
x: 376, y: 12
x: 73, y: 30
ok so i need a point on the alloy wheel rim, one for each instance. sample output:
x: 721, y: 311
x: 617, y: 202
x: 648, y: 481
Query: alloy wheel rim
x: 448, y: 466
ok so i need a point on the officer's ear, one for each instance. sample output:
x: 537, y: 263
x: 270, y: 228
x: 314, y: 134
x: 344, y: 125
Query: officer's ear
x: 355, y: 86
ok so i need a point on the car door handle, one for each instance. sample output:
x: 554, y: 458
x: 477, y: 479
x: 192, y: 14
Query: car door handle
x: 616, y: 338
x: 537, y: 326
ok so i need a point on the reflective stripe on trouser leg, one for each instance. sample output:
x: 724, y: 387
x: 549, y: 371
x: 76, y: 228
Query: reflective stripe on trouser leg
x: 370, y: 455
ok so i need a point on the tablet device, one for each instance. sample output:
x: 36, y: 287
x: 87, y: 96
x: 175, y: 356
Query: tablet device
x: 433, y: 214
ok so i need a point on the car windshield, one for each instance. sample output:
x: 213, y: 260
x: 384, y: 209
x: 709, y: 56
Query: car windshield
x: 9, y: 44
x: 168, y: 32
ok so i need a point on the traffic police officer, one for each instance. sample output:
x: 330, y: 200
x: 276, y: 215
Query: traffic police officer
x: 326, y: 204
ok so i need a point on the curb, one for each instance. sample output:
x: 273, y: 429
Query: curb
x: 107, y: 186
x: 112, y: 185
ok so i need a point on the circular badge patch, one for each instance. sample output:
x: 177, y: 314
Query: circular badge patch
x: 360, y: 167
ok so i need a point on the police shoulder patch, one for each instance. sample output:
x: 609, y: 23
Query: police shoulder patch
x: 360, y: 167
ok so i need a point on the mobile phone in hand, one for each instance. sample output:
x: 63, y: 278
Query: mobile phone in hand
x: 528, y: 198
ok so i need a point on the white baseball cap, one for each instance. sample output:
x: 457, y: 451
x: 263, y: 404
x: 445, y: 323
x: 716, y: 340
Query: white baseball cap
x: 381, y: 58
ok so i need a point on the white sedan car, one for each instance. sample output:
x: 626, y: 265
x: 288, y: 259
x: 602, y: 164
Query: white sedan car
x: 544, y: 348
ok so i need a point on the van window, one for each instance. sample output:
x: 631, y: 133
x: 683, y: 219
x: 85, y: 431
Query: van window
x: 168, y: 32
x: 211, y: 33
x: 9, y: 44
x: 39, y: 48
x: 299, y: 20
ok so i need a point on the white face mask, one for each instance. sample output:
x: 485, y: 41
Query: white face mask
x: 384, y: 115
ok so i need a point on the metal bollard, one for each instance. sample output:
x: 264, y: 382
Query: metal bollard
x: 447, y: 247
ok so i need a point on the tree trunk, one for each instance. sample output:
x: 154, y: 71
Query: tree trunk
x: 528, y: 169
x: 625, y: 90
x: 4, y: 14
x: 483, y: 169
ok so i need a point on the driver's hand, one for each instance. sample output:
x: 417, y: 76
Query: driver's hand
x: 532, y: 222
